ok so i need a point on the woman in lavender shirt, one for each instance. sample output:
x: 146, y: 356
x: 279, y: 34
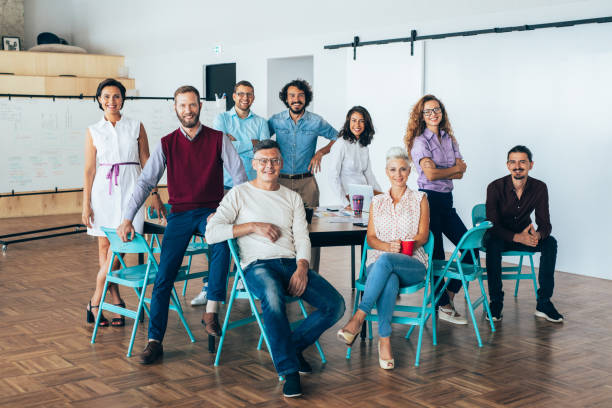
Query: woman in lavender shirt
x: 434, y: 150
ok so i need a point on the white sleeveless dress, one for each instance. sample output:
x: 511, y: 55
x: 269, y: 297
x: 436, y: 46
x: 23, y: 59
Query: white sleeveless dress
x: 114, y: 144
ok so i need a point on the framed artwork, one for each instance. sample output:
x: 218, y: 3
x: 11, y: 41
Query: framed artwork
x: 11, y: 43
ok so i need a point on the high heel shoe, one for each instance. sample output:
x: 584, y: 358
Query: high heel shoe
x: 385, y: 364
x: 91, y: 318
x: 347, y: 337
x: 119, y: 321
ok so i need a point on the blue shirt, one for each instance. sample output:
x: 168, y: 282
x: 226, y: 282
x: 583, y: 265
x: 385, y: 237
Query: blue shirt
x: 252, y: 127
x: 298, y: 141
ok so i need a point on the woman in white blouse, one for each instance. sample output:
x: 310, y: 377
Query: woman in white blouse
x: 350, y: 157
x: 397, y: 215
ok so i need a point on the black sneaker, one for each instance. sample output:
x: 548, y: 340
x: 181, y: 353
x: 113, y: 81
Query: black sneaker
x: 292, y: 387
x: 548, y: 312
x: 496, y: 311
x: 305, y: 367
x: 152, y: 352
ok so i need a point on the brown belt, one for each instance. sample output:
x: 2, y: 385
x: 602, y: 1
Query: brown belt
x: 295, y: 176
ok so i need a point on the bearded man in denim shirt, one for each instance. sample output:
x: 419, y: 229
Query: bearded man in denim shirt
x: 297, y: 131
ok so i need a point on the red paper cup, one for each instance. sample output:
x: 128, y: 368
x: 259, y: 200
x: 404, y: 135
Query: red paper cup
x: 407, y: 247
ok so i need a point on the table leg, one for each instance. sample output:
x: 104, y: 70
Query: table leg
x: 353, y: 267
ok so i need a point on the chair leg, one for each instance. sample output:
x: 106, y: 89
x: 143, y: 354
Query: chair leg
x: 518, y: 280
x: 187, y: 276
x: 179, y: 310
x: 471, y: 310
x: 97, y: 324
x: 533, y: 277
x: 486, y: 304
x: 225, y: 323
x: 138, y: 312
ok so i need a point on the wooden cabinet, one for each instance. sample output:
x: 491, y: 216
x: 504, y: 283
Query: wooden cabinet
x: 42, y: 85
x: 58, y: 63
x: 54, y: 73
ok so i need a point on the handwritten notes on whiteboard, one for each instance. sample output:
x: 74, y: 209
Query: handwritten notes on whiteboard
x: 42, y: 141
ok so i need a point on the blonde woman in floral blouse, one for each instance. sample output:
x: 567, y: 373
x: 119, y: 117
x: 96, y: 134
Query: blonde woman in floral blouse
x: 397, y: 215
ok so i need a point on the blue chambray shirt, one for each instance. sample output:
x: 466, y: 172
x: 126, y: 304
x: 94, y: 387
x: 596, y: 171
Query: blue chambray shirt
x: 244, y: 130
x: 298, y: 141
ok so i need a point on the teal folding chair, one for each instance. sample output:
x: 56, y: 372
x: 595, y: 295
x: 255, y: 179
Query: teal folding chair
x: 137, y: 277
x: 454, y: 268
x: 244, y: 293
x: 194, y: 247
x: 479, y: 214
x: 421, y: 313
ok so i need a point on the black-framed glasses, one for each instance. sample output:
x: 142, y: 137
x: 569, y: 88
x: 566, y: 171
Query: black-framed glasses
x: 264, y: 162
x: 247, y: 94
x: 428, y: 112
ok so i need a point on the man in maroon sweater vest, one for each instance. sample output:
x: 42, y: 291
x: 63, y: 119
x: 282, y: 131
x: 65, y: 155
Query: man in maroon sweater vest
x: 195, y: 156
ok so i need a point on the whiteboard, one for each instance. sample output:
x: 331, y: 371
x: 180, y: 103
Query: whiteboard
x: 42, y: 141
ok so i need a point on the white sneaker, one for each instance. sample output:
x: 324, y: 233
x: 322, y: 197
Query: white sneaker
x: 240, y: 285
x: 450, y: 315
x: 201, y: 299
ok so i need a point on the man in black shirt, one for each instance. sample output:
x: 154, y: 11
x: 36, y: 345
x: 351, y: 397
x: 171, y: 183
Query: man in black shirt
x: 510, y: 202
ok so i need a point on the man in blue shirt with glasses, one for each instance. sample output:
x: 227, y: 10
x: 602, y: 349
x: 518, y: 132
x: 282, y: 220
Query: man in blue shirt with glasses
x: 245, y: 129
x: 297, y: 131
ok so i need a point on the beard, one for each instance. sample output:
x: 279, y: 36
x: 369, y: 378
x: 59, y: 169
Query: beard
x: 297, y: 112
x: 191, y: 123
x: 518, y: 176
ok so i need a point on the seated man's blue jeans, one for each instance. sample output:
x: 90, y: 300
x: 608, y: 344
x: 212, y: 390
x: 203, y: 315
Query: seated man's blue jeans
x: 268, y: 280
x: 384, y: 278
x: 181, y: 227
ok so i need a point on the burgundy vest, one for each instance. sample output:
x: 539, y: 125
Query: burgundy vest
x: 195, y: 169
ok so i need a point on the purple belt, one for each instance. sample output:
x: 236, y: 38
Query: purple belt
x: 114, y: 169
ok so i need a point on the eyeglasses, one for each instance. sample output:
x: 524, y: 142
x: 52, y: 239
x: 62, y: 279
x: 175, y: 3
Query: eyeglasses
x: 243, y: 94
x: 273, y: 162
x: 428, y: 112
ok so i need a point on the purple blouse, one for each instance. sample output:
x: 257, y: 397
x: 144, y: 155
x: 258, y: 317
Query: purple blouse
x: 443, y: 155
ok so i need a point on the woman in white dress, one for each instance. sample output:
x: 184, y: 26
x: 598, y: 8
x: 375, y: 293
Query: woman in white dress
x: 350, y: 157
x: 116, y: 148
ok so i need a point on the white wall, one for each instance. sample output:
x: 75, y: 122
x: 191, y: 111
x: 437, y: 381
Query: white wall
x: 165, y: 47
x: 284, y: 70
x: 549, y: 90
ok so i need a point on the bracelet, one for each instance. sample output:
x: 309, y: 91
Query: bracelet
x: 154, y: 193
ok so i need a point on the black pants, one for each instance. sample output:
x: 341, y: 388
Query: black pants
x: 443, y: 219
x: 495, y: 246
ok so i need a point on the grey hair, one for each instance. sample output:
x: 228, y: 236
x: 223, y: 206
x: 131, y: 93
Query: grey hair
x: 397, y: 152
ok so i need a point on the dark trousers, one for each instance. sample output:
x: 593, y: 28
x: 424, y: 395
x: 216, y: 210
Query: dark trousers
x: 443, y: 219
x: 181, y: 227
x: 495, y: 246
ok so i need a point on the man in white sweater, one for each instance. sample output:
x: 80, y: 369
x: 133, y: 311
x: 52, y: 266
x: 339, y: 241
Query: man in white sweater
x: 270, y: 225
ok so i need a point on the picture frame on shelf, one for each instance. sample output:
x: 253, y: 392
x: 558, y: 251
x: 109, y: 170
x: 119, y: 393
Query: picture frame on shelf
x: 11, y: 43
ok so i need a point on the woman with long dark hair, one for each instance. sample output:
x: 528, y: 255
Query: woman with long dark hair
x: 350, y: 157
x: 435, y: 153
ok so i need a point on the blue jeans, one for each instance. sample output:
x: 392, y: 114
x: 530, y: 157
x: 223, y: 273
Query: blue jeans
x: 384, y: 278
x: 181, y: 227
x: 268, y: 280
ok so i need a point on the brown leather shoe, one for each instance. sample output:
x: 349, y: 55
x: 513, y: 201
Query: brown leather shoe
x: 152, y: 352
x: 211, y: 324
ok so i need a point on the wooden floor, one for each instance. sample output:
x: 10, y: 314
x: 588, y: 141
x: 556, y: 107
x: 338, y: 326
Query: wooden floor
x: 46, y: 358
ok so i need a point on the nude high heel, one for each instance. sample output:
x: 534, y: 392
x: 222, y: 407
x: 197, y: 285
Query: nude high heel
x: 385, y: 364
